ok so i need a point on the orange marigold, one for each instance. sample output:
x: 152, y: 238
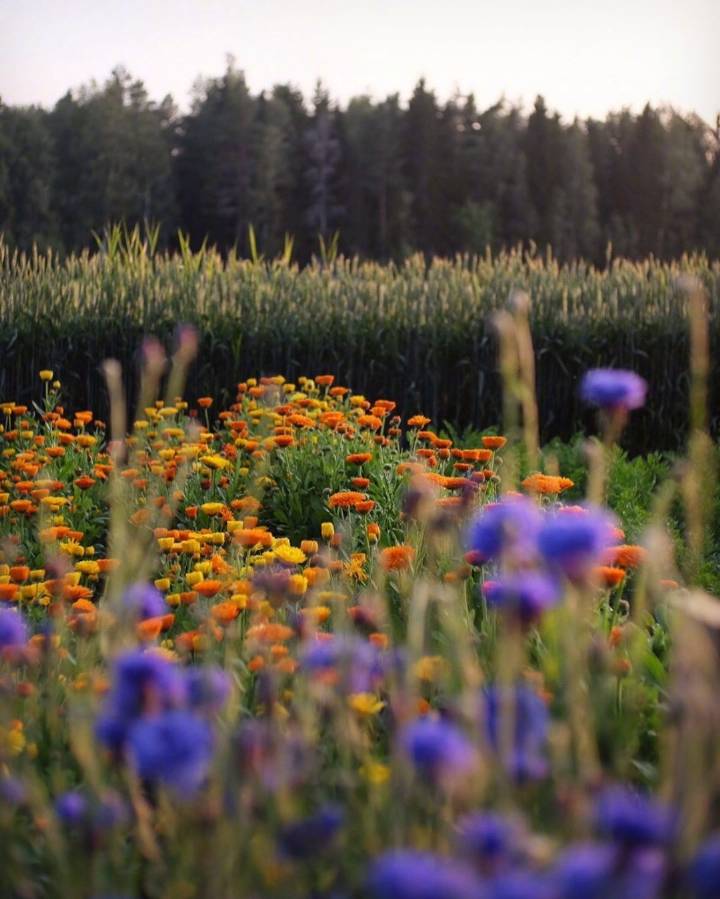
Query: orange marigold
x: 547, y: 483
x: 493, y: 443
x: 344, y: 499
x: 358, y: 458
x: 396, y: 558
x: 627, y: 555
x: 608, y: 575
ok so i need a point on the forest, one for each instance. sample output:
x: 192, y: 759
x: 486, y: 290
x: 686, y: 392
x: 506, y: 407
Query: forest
x: 376, y: 178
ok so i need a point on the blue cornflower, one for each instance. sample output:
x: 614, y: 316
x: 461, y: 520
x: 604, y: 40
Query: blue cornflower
x: 521, y: 885
x: 72, y: 808
x: 173, y: 748
x: 526, y: 594
x: 598, y: 871
x: 143, y: 600
x: 304, y: 838
x: 530, y: 723
x: 612, y: 389
x: 704, y: 872
x: 573, y: 541
x: 633, y: 820
x: 208, y: 688
x: 437, y: 748
x: 13, y: 629
x: 488, y: 838
x: 408, y: 874
x: 145, y: 682
x: 510, y: 525
x: 358, y: 664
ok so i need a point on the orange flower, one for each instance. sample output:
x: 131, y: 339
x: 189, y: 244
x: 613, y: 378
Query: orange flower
x: 396, y: 558
x: 84, y: 482
x: 364, y: 506
x: 253, y: 537
x: 360, y: 482
x: 8, y: 592
x: 370, y: 421
x: 301, y: 421
x: 205, y: 402
x: 208, y: 588
x: 418, y: 421
x: 324, y: 380
x: 344, y: 499
x: 494, y: 443
x: 609, y: 576
x: 626, y: 556
x: 547, y: 484
x: 358, y: 458
x: 225, y: 612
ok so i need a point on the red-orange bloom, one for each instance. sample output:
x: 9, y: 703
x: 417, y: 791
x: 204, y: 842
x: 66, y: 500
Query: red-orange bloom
x: 358, y: 458
x: 608, y: 575
x: 547, y: 484
x: 626, y: 556
x: 344, y: 499
x: 396, y: 558
x: 494, y: 443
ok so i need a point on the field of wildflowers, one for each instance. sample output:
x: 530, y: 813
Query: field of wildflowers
x: 302, y: 647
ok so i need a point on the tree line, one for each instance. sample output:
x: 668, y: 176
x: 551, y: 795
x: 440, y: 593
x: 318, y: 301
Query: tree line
x: 378, y: 177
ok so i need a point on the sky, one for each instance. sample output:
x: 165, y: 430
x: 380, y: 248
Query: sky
x: 585, y: 56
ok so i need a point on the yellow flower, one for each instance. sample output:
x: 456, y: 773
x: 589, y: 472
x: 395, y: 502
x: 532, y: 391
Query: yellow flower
x: 327, y: 530
x: 46, y: 374
x: 365, y: 704
x: 430, y: 668
x: 212, y: 508
x: 298, y: 584
x: 163, y: 584
x: 215, y: 461
x: 290, y: 555
x: 375, y: 773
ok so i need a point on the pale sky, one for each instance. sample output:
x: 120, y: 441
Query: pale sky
x: 585, y: 56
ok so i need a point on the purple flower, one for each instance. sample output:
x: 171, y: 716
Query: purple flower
x: 207, y: 688
x: 304, y: 838
x: 488, y: 838
x: 613, y: 389
x: 522, y: 885
x: 526, y: 594
x: 408, y: 874
x: 597, y: 871
x: 13, y: 630
x: 143, y: 601
x: 72, y: 808
x: 173, y: 748
x: 573, y: 541
x: 526, y: 760
x: 704, y: 872
x: 633, y: 820
x: 510, y: 525
x: 143, y: 683
x: 358, y: 664
x: 437, y: 748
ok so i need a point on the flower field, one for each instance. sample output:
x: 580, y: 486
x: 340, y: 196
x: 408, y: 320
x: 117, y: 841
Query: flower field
x: 304, y: 646
x: 416, y: 331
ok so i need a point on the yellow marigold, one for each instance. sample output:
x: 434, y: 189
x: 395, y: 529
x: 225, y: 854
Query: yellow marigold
x: 290, y: 555
x: 365, y: 704
x: 430, y: 668
x: 213, y: 508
